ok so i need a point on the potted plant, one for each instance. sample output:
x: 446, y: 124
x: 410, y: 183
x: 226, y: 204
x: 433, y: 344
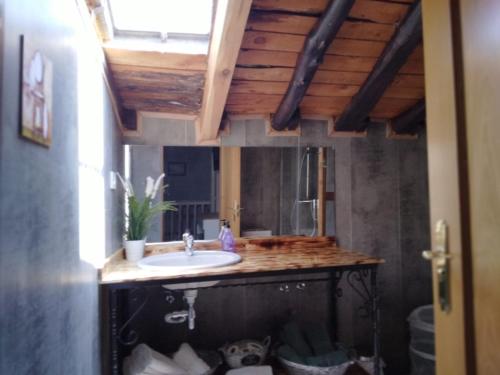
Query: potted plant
x: 139, y: 215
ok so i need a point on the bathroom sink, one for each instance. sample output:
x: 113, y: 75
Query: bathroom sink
x: 180, y: 261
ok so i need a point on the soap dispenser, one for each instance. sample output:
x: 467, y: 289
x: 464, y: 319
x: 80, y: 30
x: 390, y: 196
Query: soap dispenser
x: 226, y: 237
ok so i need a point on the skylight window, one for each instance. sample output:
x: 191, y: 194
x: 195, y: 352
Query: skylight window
x: 184, y: 17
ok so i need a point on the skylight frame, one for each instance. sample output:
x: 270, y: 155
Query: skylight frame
x: 158, y: 35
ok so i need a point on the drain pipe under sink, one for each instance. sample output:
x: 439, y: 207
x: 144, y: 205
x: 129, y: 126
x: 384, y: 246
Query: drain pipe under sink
x: 190, y: 296
x: 177, y: 317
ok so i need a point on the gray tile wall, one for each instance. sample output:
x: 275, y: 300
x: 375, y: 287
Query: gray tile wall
x: 382, y: 210
x: 260, y: 188
x: 163, y: 132
x: 49, y: 319
x: 230, y: 314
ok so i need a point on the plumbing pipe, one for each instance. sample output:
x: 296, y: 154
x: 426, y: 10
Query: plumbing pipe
x: 190, y: 296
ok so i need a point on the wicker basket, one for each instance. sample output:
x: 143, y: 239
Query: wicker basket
x: 293, y: 368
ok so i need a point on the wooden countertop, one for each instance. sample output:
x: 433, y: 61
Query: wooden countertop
x: 265, y: 255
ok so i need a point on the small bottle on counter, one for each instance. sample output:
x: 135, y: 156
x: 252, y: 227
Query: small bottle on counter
x: 226, y: 237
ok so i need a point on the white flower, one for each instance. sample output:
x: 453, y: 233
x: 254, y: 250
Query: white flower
x: 127, y: 186
x: 149, y: 187
x: 157, y: 185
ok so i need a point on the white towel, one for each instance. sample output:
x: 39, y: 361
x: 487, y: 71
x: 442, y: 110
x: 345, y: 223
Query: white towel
x: 127, y: 371
x: 146, y: 361
x: 186, y: 358
x: 251, y: 370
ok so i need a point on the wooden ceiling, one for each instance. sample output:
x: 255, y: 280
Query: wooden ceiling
x: 156, y: 81
x: 273, y: 38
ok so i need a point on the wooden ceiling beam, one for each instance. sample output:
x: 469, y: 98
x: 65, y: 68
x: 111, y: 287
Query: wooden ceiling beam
x: 409, y: 121
x: 315, y: 46
x: 228, y: 29
x: 374, y: 11
x: 395, y: 55
x: 155, y: 59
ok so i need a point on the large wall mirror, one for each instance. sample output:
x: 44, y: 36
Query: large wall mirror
x: 262, y: 191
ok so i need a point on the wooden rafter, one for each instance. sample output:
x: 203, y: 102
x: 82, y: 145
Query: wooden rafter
x: 408, y: 121
x: 315, y: 46
x: 229, y: 26
x: 404, y: 41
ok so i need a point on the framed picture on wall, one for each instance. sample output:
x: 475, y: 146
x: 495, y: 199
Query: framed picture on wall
x: 176, y: 169
x: 36, y: 92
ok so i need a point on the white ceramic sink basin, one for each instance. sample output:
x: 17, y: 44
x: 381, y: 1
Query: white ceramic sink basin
x: 180, y: 261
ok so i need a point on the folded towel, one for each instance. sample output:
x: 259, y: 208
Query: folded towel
x: 186, y: 358
x: 251, y: 370
x: 292, y: 336
x: 127, y: 371
x: 146, y: 361
x: 319, y: 339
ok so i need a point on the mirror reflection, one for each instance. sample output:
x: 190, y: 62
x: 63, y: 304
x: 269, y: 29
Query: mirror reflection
x: 279, y: 191
x: 262, y: 191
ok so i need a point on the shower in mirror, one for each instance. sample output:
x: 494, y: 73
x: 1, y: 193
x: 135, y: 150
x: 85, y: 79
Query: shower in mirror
x: 305, y: 208
x: 284, y: 191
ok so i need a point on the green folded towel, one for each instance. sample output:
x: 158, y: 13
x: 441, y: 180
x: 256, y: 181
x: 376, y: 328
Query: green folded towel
x: 293, y: 337
x: 289, y: 353
x: 319, y: 339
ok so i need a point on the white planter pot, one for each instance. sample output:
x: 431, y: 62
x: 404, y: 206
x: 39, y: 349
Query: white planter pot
x: 134, y: 250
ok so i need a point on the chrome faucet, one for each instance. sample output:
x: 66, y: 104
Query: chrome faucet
x: 188, y: 239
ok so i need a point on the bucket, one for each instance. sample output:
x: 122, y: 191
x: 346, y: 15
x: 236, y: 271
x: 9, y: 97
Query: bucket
x: 422, y: 352
x: 423, y: 359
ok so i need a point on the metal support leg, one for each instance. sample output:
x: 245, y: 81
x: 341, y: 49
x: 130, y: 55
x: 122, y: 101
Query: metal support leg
x: 376, y: 321
x: 335, y: 278
x: 113, y: 306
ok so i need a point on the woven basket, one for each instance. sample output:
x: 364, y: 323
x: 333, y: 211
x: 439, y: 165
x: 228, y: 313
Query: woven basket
x: 293, y: 368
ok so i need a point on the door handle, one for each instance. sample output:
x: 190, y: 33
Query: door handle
x: 441, y: 257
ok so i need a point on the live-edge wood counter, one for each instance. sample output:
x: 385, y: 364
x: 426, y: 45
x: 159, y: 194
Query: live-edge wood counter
x: 260, y: 256
x: 271, y: 256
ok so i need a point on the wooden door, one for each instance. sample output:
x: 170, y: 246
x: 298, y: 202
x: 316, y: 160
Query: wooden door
x: 480, y: 52
x: 230, y: 187
x: 444, y: 178
x: 462, y: 59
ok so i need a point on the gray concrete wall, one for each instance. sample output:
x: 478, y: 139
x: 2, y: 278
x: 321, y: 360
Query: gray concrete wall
x: 58, y: 217
x: 382, y: 210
